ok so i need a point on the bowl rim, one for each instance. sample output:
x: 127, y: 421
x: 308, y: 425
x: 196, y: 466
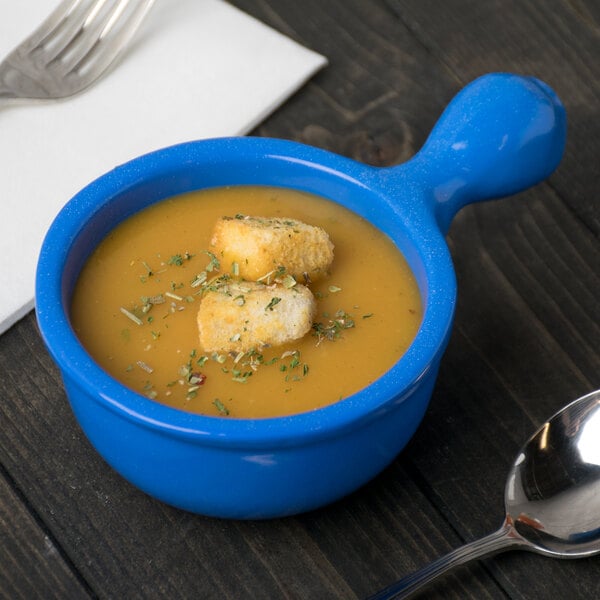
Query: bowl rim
x: 80, y: 370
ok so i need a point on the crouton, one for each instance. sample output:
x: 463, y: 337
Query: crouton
x: 243, y: 315
x: 256, y: 246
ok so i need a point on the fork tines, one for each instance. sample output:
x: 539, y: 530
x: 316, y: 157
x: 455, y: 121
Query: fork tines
x: 75, y: 32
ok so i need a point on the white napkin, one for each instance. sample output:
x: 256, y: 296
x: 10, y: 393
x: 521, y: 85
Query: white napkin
x: 196, y: 69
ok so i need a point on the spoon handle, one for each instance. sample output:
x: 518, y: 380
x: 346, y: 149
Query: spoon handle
x: 501, y: 540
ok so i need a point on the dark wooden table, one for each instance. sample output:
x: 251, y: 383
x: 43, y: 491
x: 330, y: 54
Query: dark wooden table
x: 526, y: 341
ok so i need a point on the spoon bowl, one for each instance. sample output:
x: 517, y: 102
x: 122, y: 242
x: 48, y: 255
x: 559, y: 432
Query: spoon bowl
x: 552, y: 494
x: 552, y: 498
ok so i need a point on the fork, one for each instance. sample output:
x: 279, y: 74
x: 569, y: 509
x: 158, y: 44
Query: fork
x: 71, y: 48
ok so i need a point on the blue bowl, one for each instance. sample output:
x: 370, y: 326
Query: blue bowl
x: 501, y: 134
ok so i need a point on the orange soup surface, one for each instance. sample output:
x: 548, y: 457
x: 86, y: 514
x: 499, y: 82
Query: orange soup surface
x: 135, y: 305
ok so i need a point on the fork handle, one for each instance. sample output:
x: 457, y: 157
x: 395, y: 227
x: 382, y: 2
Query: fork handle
x: 503, y: 539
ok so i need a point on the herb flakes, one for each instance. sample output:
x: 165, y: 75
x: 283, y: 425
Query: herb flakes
x: 223, y: 410
x: 131, y: 316
x: 274, y: 301
x: 332, y: 330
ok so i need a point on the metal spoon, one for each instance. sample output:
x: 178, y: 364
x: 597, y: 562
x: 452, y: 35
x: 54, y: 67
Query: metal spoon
x: 552, y: 498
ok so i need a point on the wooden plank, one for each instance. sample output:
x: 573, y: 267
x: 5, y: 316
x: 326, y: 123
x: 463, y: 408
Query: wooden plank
x: 555, y: 40
x: 525, y: 344
x: 31, y: 565
x: 380, y: 95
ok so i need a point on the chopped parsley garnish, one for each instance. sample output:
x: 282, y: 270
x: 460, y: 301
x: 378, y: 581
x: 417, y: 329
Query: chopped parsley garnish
x: 223, y: 410
x: 274, y: 301
x: 149, y: 271
x: 199, y: 279
x: 214, y: 264
x: 332, y: 330
x: 178, y: 259
x: 142, y: 365
x: 131, y: 316
x: 288, y: 281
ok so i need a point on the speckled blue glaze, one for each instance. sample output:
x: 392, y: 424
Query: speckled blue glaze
x: 501, y: 134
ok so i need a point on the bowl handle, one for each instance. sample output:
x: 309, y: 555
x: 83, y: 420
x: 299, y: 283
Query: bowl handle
x: 501, y: 134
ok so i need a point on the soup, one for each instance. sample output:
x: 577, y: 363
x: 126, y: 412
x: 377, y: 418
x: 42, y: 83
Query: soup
x: 136, y: 302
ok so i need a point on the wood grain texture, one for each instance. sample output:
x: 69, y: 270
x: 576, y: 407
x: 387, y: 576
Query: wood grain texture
x: 31, y: 566
x: 525, y: 342
x: 554, y: 40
